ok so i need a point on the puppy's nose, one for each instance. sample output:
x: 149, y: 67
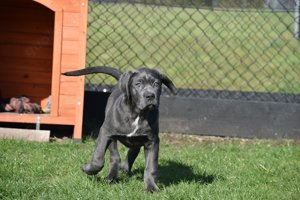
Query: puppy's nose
x: 149, y: 95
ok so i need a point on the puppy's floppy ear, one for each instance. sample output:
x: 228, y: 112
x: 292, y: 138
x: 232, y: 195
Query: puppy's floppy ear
x: 167, y: 82
x: 124, y: 83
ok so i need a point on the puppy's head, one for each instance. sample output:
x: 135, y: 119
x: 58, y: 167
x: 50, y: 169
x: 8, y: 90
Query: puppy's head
x: 142, y: 87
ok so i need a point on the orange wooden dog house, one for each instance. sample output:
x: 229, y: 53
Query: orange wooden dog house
x: 40, y: 39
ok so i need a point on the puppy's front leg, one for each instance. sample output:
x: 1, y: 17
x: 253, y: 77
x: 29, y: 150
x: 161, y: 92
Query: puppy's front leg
x: 114, y: 162
x: 150, y: 173
x: 97, y: 163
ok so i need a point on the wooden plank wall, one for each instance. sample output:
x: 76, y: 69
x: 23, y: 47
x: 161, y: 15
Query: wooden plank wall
x: 72, y: 54
x: 26, y: 49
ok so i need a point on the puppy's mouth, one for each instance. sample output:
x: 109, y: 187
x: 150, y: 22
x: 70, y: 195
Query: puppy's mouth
x: 150, y: 107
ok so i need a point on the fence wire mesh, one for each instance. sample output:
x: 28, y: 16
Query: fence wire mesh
x: 245, y: 49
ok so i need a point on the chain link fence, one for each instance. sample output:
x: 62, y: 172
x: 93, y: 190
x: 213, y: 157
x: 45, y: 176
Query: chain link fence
x: 234, y: 49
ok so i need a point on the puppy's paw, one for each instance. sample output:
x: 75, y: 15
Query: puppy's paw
x: 90, y: 169
x: 124, y: 168
x: 112, y: 180
x: 152, y: 188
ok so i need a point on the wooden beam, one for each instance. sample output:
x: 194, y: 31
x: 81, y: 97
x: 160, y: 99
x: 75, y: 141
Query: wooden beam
x: 233, y: 118
x: 25, y: 134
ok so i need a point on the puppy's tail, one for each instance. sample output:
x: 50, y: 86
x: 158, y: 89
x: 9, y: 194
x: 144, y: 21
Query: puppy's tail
x: 94, y: 70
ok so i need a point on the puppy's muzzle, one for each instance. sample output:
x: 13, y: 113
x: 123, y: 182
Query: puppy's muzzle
x: 149, y: 96
x: 150, y: 99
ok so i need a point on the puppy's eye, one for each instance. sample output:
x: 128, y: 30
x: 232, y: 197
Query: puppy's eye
x: 138, y: 84
x: 156, y: 84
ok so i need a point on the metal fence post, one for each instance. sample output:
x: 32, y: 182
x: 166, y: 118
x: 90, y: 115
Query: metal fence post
x: 297, y: 20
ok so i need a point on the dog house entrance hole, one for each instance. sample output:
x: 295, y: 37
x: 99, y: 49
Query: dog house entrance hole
x: 26, y: 50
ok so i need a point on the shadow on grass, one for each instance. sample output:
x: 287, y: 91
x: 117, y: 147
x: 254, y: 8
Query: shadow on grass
x: 173, y: 172
x: 169, y: 173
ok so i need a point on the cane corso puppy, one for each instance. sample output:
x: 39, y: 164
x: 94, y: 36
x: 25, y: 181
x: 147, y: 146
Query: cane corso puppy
x: 131, y: 117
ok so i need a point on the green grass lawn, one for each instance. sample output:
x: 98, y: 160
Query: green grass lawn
x: 198, y: 48
x: 189, y: 168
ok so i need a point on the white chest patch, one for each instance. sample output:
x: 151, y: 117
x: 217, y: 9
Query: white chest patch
x: 135, y: 124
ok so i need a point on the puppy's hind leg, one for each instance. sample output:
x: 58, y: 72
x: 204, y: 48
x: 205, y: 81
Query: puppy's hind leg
x: 97, y: 163
x: 129, y: 160
x: 114, y: 162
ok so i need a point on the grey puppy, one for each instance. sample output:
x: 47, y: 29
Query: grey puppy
x: 131, y: 117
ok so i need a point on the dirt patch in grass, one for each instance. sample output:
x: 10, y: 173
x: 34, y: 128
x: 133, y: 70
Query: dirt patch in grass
x: 179, y: 138
x: 184, y: 139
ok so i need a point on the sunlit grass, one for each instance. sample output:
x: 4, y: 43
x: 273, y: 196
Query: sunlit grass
x: 189, y: 168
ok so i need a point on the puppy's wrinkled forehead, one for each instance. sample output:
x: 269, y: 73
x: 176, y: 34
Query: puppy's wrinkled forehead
x: 147, y: 75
